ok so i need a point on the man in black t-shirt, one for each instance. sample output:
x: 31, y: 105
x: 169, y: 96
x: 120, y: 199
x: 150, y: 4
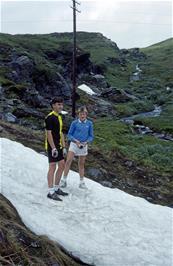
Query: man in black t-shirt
x: 55, y: 147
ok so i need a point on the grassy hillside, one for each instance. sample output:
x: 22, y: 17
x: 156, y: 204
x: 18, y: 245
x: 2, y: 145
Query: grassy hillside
x: 160, y: 63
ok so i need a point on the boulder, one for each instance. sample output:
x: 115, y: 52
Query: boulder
x: 100, y: 81
x: 94, y: 172
x: 22, y: 68
x: 9, y: 117
x: 106, y: 183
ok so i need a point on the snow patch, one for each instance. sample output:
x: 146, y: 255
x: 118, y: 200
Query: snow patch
x: 87, y: 89
x: 102, y: 226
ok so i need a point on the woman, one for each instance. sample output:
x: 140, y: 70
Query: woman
x: 80, y: 134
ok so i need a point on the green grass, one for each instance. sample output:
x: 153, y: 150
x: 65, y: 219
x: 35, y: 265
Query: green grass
x: 160, y: 63
x: 144, y: 150
x: 133, y: 107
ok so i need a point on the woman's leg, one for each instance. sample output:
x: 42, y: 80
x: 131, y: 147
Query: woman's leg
x: 69, y: 160
x: 81, y: 164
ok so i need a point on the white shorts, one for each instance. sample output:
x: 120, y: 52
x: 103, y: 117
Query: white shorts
x: 77, y: 151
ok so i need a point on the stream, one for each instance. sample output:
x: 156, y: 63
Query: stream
x: 141, y: 129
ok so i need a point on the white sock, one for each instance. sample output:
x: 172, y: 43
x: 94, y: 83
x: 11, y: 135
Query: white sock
x: 51, y: 190
x: 81, y: 179
x: 56, y: 187
x: 65, y: 177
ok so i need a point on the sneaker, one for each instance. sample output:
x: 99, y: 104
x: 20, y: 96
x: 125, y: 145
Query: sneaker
x: 82, y: 185
x: 61, y: 193
x: 63, y: 183
x: 53, y: 196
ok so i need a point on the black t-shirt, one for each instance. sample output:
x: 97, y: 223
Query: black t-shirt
x: 52, y: 122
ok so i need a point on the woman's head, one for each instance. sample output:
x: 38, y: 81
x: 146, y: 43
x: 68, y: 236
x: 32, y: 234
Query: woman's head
x: 82, y: 113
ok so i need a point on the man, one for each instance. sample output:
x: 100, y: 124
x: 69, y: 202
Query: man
x: 56, y: 151
x: 80, y: 134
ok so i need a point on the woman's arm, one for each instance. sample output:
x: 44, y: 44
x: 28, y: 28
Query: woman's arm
x: 90, y: 133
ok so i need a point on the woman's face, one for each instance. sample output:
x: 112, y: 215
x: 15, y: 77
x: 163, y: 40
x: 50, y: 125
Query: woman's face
x: 82, y: 116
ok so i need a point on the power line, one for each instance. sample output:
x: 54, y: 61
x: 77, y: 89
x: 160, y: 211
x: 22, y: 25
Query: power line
x: 86, y: 21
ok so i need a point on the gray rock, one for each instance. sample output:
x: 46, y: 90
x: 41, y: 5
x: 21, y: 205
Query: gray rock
x: 9, y: 117
x: 22, y: 68
x: 100, y: 80
x: 1, y: 89
x: 23, y: 111
x: 129, y: 163
x: 94, y: 172
x: 106, y: 183
x: 33, y: 98
x: 135, y: 76
x: 1, y: 129
x: 23, y: 60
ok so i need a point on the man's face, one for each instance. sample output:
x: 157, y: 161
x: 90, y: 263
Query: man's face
x: 57, y: 107
x: 82, y: 116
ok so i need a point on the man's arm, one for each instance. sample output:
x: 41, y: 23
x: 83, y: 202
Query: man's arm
x: 50, y: 139
x: 63, y: 140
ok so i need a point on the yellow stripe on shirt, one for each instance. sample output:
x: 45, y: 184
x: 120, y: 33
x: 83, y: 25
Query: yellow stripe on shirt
x: 60, y: 129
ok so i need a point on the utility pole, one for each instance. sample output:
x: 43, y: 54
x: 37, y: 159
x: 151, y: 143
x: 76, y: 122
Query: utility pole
x: 74, y: 57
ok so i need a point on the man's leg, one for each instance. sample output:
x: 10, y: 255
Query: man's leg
x: 58, y: 175
x: 61, y: 165
x: 50, y: 175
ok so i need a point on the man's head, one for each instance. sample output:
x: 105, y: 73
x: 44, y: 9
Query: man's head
x: 57, y: 104
x: 82, y: 113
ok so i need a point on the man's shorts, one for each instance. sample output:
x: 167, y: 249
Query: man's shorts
x: 52, y: 159
x: 77, y: 151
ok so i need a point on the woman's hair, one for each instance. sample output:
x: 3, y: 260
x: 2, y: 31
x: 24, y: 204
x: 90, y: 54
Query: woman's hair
x: 82, y: 109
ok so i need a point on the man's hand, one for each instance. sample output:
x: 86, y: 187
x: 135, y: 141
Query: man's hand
x: 64, y: 151
x: 54, y: 153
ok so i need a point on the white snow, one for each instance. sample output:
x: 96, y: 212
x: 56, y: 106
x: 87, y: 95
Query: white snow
x: 64, y: 112
x: 87, y: 89
x: 103, y: 226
